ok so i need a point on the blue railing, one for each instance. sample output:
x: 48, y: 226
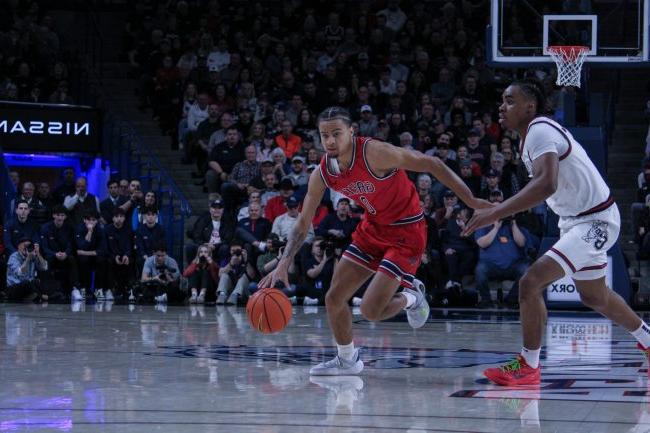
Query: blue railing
x: 130, y: 158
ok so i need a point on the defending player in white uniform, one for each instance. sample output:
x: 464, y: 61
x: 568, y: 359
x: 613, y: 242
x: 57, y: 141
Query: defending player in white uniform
x: 563, y: 175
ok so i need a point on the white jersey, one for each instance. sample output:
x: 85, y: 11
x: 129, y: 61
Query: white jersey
x: 581, y: 189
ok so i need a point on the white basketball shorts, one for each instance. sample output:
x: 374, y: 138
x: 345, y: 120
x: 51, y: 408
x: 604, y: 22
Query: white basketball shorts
x: 584, y: 242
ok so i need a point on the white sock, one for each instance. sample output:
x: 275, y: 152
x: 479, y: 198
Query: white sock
x: 410, y: 299
x: 346, y: 351
x: 531, y: 356
x: 642, y: 335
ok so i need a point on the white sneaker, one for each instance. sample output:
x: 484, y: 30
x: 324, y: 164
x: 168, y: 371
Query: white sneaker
x: 131, y: 297
x: 339, y: 366
x: 77, y: 306
x: 83, y: 293
x: 76, y: 295
x: 109, y: 295
x: 162, y: 299
x: 418, y: 313
x: 99, y: 295
x: 294, y: 300
x: 193, y: 298
x: 221, y: 298
x: 310, y: 301
x: 201, y: 298
x: 356, y: 301
x: 233, y: 299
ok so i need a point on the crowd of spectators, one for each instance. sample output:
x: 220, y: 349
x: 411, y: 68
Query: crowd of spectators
x: 238, y: 86
x: 33, y: 66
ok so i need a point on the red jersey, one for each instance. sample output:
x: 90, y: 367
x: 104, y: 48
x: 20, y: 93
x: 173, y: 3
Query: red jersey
x: 388, y: 200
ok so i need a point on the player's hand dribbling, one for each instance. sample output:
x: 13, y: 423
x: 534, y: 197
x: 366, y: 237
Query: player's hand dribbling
x: 278, y: 274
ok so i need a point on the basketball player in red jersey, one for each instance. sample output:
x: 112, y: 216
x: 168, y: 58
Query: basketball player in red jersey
x: 388, y: 242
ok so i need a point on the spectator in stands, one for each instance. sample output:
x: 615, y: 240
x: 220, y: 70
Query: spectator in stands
x: 199, y: 147
x: 58, y: 247
x: 197, y: 113
x: 66, y: 187
x: 508, y: 183
x: 19, y: 227
x: 212, y: 228
x: 37, y: 210
x: 443, y: 214
x: 444, y: 89
x: 44, y: 195
x: 319, y: 268
x: 90, y: 244
x: 445, y: 154
x: 202, y: 274
x: 235, y: 190
x: 289, y: 142
x: 283, y: 224
x: 255, y: 196
x: 280, y: 167
x: 368, y: 124
x: 642, y: 234
x: 473, y: 182
x: 112, y: 202
x: 254, y: 230
x: 124, y: 188
x: 81, y: 202
x: 638, y: 207
x: 149, y: 234
x: 477, y: 153
x: 223, y: 158
x: 23, y: 270
x: 258, y: 183
x: 233, y: 276
x: 148, y: 202
x: 119, y: 254
x: 14, y: 177
x: 491, y: 183
x: 338, y: 225
x: 276, y: 206
x: 161, y: 277
x: 297, y: 174
x: 500, y: 254
x: 459, y: 250
x: 266, y: 148
x: 61, y: 95
x: 135, y: 198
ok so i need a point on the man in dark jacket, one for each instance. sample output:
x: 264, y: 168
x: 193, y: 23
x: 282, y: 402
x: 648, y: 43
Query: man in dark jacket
x: 19, y: 227
x: 253, y: 231
x: 113, y: 201
x: 119, y: 254
x: 90, y: 243
x: 57, y: 245
x: 148, y: 235
x: 215, y: 228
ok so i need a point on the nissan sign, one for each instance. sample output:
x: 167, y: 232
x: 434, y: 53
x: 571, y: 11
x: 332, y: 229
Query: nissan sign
x: 27, y: 128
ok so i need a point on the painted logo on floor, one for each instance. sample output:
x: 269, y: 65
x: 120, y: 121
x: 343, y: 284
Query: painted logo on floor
x: 373, y: 357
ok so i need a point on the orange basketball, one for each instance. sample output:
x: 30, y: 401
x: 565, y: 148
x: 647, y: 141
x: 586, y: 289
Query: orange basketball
x: 268, y: 310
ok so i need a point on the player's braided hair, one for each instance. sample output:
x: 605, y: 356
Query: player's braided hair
x: 534, y: 89
x: 334, y: 113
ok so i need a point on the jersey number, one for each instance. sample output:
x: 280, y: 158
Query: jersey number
x: 367, y: 205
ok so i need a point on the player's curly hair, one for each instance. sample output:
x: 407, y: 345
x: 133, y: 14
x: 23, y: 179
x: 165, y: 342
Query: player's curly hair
x: 334, y: 113
x: 534, y: 89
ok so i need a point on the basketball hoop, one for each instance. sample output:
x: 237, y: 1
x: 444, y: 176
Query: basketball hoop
x: 569, y: 59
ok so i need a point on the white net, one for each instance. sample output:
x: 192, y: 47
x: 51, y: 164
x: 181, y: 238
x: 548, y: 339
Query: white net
x: 569, y: 61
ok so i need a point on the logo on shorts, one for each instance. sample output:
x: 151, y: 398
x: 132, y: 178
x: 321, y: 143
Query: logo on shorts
x: 597, y: 234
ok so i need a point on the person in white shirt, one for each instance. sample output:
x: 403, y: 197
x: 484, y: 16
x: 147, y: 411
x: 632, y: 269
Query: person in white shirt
x: 563, y: 175
x: 283, y: 224
x: 220, y: 57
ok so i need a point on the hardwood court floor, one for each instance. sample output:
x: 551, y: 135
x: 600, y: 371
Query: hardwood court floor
x: 109, y: 368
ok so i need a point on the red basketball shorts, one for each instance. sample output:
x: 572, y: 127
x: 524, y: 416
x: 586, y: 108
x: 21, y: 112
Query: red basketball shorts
x: 393, y: 250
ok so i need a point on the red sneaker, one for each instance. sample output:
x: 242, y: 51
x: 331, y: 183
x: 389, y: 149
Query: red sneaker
x: 515, y: 372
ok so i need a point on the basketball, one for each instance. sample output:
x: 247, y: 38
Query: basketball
x: 269, y: 311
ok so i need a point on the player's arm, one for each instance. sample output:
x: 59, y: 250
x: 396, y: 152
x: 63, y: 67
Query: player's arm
x: 542, y: 185
x: 315, y: 190
x: 384, y: 157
